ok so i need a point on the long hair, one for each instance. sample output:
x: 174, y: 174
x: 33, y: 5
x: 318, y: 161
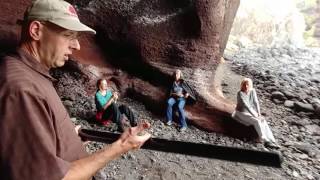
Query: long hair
x: 245, y: 81
x: 174, y: 74
x: 99, y: 82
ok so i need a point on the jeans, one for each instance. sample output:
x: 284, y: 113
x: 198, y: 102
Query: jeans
x: 180, y: 102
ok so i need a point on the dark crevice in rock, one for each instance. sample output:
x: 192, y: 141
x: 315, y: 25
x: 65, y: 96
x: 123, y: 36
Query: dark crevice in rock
x: 158, y: 108
x: 124, y: 55
x: 8, y: 41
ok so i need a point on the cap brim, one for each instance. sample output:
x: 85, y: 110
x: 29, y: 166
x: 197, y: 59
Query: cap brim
x: 73, y: 25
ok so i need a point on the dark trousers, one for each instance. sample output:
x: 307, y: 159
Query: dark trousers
x: 117, y: 112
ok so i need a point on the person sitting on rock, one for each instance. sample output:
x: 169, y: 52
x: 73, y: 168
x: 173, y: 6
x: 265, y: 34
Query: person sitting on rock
x: 108, y: 109
x: 248, y: 113
x: 179, y: 92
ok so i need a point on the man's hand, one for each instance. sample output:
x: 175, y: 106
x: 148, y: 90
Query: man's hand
x: 186, y: 95
x: 134, y: 137
x: 86, y: 167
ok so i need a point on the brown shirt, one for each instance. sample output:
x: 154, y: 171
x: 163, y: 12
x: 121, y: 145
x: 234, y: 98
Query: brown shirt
x: 37, y: 138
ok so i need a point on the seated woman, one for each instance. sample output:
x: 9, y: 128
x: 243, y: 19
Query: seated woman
x: 248, y: 113
x: 108, y: 109
x: 178, y: 96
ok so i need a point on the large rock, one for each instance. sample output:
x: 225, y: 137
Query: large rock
x: 146, y: 40
x: 10, y: 11
x: 300, y: 106
x: 278, y: 95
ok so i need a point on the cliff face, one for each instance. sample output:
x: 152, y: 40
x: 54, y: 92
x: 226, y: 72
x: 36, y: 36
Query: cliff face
x: 140, y: 43
x: 10, y: 11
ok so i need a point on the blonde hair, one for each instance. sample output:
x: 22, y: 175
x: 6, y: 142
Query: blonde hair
x: 176, y: 71
x: 245, y: 81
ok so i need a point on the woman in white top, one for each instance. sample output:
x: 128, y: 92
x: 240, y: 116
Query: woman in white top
x: 248, y: 113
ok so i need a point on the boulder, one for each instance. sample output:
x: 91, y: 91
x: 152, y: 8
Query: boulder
x: 147, y: 41
x: 278, y: 95
x: 317, y: 109
x: 313, y: 129
x: 289, y: 104
x: 300, y: 106
x: 289, y: 94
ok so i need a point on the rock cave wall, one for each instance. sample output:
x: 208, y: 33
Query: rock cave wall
x: 140, y: 43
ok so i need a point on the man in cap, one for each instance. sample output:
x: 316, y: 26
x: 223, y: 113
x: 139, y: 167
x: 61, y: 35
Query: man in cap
x: 38, y: 140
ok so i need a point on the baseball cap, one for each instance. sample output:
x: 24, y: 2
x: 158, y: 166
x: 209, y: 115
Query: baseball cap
x: 58, y: 12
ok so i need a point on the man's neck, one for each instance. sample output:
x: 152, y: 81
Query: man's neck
x: 29, y: 48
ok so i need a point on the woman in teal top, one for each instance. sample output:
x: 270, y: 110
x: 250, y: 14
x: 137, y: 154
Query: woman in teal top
x: 108, y: 109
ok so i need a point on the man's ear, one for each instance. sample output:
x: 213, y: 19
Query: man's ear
x: 35, y: 30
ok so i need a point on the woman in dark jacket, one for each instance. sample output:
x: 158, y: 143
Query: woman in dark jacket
x: 178, y: 96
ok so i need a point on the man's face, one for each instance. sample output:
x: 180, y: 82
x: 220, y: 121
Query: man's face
x: 56, y: 45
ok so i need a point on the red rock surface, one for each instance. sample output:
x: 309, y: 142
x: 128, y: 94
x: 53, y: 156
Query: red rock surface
x: 146, y: 41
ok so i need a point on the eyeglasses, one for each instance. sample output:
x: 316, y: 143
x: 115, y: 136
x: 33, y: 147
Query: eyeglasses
x: 70, y: 35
